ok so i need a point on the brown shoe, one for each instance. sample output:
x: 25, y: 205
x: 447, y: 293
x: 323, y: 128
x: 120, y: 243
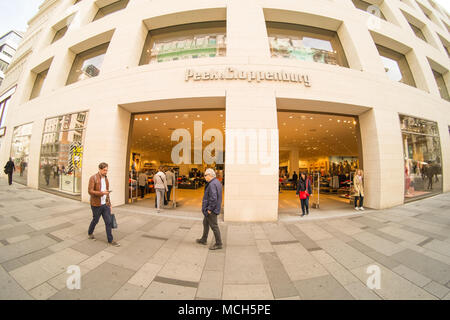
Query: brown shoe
x: 114, y: 243
x: 91, y: 237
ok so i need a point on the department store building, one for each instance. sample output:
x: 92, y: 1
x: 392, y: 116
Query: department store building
x: 343, y: 84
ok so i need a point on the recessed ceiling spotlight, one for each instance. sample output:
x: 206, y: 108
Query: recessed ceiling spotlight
x: 156, y: 118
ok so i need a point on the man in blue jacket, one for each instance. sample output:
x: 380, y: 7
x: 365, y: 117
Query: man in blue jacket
x: 211, y: 206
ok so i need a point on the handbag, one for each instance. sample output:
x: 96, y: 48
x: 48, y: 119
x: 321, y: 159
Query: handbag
x: 304, y: 194
x: 113, y: 221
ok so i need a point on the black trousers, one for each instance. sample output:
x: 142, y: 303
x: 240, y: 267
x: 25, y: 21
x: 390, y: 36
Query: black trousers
x: 168, y: 192
x: 10, y: 178
x: 105, y: 212
x: 142, y: 191
x: 361, y: 201
x: 305, y: 205
x: 210, y: 220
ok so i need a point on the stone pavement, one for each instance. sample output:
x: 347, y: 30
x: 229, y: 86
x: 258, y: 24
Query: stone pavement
x: 42, y: 234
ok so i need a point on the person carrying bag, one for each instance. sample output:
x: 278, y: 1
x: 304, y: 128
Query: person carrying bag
x: 304, y: 191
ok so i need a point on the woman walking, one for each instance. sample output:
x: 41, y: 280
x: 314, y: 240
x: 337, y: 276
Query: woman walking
x: 358, y: 188
x: 304, y: 190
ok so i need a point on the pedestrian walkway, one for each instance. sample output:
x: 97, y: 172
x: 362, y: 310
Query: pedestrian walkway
x: 42, y: 234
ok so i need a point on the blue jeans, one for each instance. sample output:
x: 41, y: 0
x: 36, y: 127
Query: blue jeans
x: 305, y: 205
x: 105, y: 212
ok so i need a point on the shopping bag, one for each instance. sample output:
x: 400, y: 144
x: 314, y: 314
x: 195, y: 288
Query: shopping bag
x: 113, y: 221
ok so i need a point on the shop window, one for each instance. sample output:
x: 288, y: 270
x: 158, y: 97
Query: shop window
x: 60, y: 33
x: 364, y: 6
x: 190, y: 41
x: 20, y: 151
x: 441, y: 85
x: 38, y: 84
x: 3, y: 65
x: 87, y: 64
x: 396, y: 66
x: 3, y: 109
x: 62, y: 153
x: 422, y: 155
x: 111, y: 8
x: 305, y: 43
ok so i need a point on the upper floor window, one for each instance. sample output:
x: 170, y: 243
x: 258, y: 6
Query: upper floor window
x: 441, y: 85
x: 446, y: 45
x: 38, y: 84
x: 190, y: 41
x: 3, y: 65
x: 417, y: 32
x: 305, y: 43
x: 60, y: 33
x: 87, y: 64
x: 111, y: 8
x: 396, y: 66
x: 76, y: 1
x: 368, y: 7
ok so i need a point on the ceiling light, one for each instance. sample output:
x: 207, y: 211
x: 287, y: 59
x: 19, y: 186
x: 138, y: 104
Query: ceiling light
x: 156, y: 117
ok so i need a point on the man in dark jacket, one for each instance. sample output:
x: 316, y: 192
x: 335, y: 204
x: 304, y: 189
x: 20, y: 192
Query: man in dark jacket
x: 9, y: 169
x: 211, y: 206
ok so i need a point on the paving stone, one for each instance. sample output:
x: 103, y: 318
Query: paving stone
x: 90, y: 247
x: 429, y: 267
x: 373, y: 223
x: 136, y: 254
x: 411, y: 275
x: 15, y: 231
x: 19, y: 249
x: 323, y: 288
x: 341, y: 274
x: 210, y: 285
x: 314, y: 231
x: 279, y: 280
x: 344, y: 254
x: 99, y: 284
x: 145, y: 275
x: 360, y: 246
x: 128, y: 292
x: 244, y: 271
x: 240, y: 235
x: 404, y: 234
x: 343, y: 226
x: 379, y: 244
x: 437, y: 289
x: 59, y: 282
x: 96, y: 260
x: 386, y: 261
x: 215, y: 261
x: 441, y: 247
x: 299, y: 263
x: 31, y: 257
x: 164, y: 291
x: 277, y: 233
x: 384, y: 235
x: 322, y: 257
x: 10, y: 289
x: 258, y: 233
x: 11, y: 265
x: 247, y: 292
x: 360, y: 291
x: 299, y: 235
x: 393, y: 286
x: 43, y: 292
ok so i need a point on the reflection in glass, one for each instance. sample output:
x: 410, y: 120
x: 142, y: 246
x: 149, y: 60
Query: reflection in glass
x: 396, y: 66
x: 191, y: 41
x: 422, y: 155
x: 62, y: 153
x: 305, y: 43
x: 20, y: 151
x: 87, y: 64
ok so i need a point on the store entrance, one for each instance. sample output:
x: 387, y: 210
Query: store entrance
x: 327, y: 148
x: 184, y: 144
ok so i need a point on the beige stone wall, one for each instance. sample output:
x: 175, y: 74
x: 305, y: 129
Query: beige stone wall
x: 123, y: 87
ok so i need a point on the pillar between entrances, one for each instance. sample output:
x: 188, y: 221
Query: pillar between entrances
x: 251, y: 189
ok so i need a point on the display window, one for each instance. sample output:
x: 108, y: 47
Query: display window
x: 62, y: 154
x: 396, y: 66
x: 87, y: 64
x: 20, y: 151
x: 305, y: 43
x: 422, y: 157
x: 191, y: 41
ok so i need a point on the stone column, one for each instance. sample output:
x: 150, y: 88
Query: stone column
x: 293, y: 162
x: 383, y: 158
x: 251, y: 187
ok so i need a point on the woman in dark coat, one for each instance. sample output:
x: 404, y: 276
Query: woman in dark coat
x: 9, y: 169
x: 304, y: 190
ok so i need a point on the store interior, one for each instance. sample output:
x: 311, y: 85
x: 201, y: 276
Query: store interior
x: 152, y: 147
x: 324, y: 146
